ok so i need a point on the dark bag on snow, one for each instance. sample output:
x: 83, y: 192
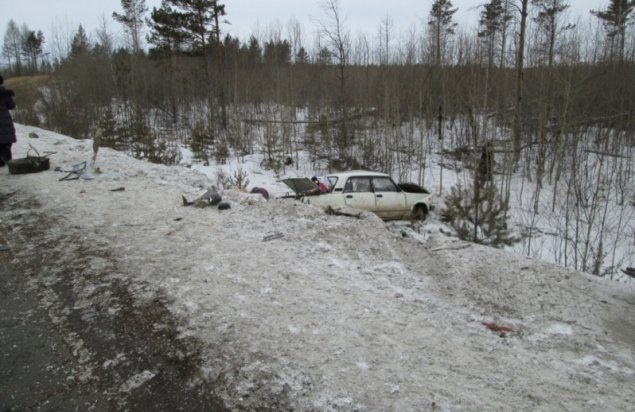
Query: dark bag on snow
x: 29, y: 164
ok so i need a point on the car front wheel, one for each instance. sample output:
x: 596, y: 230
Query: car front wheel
x: 420, y: 212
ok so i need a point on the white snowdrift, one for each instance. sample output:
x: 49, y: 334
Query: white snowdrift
x: 342, y: 313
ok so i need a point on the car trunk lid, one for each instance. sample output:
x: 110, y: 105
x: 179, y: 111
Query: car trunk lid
x: 299, y: 185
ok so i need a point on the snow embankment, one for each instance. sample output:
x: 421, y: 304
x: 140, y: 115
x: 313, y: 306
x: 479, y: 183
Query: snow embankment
x: 339, y: 313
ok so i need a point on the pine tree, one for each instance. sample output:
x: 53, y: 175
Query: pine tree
x: 202, y: 140
x: 166, y: 32
x: 616, y: 18
x: 442, y: 25
x: 477, y: 213
x: 549, y: 22
x: 32, y: 49
x: 132, y: 20
x: 492, y: 22
x: 277, y: 53
x: 254, y: 53
x: 302, y: 57
x: 193, y: 26
x: 111, y: 135
x: 190, y: 23
x: 80, y: 45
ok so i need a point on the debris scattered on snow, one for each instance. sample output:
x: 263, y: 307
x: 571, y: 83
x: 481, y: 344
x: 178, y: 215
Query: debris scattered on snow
x: 137, y: 381
x: 494, y: 327
x: 272, y: 237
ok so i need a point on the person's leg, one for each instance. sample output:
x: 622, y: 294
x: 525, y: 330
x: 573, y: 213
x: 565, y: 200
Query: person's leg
x: 4, y: 157
x: 5, y: 153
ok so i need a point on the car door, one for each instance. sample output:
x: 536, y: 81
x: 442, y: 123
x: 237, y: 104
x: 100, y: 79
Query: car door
x: 358, y: 193
x: 390, y: 202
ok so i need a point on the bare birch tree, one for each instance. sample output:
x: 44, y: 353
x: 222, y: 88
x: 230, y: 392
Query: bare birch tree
x: 338, y: 40
x: 520, y: 80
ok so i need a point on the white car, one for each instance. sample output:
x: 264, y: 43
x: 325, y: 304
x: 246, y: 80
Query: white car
x: 371, y: 191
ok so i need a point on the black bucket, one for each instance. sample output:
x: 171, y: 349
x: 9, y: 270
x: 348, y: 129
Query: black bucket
x: 29, y: 164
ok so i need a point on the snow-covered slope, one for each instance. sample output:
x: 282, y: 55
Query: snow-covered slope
x: 338, y: 313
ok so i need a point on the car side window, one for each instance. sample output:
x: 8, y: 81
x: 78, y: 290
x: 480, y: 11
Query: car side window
x: 358, y: 184
x: 384, y: 184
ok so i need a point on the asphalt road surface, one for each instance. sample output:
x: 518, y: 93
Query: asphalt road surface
x: 36, y: 365
x: 60, y: 351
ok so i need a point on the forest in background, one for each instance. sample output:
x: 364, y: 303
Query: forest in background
x: 551, y: 99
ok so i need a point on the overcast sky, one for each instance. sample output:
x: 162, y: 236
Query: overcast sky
x: 251, y: 16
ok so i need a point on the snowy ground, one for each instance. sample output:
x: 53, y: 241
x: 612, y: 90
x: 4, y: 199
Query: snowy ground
x: 339, y: 313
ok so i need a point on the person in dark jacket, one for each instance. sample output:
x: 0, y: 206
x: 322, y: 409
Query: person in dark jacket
x: 7, y: 129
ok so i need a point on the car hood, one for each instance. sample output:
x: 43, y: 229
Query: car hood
x: 300, y: 185
x: 413, y: 188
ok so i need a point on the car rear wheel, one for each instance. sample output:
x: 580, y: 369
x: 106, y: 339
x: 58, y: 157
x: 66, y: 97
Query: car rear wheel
x: 420, y: 212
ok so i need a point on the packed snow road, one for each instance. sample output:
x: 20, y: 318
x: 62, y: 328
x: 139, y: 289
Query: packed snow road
x: 333, y: 313
x: 72, y: 337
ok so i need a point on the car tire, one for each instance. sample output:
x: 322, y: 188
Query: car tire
x: 420, y: 212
